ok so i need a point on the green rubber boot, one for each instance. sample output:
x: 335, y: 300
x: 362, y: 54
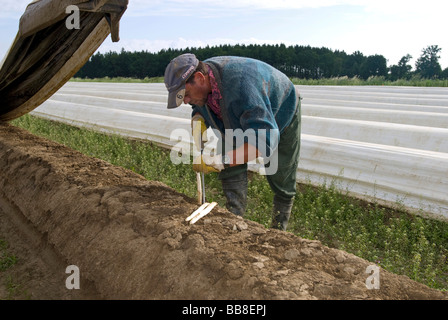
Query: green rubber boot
x: 281, y: 213
x: 235, y: 191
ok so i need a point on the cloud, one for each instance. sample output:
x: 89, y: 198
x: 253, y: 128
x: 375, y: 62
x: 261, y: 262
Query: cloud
x: 200, y: 5
x: 13, y: 8
x: 219, y: 7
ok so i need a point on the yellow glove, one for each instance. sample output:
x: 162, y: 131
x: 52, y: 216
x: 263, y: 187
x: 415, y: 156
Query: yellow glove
x: 200, y: 166
x: 198, y: 128
x: 203, y: 163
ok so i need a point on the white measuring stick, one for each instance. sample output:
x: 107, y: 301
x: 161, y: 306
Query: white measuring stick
x: 204, y: 212
x: 197, y: 211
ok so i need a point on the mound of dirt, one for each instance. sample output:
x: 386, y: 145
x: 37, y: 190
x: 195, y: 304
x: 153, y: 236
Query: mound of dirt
x: 129, y: 239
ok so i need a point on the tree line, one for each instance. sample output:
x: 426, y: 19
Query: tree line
x: 303, y: 62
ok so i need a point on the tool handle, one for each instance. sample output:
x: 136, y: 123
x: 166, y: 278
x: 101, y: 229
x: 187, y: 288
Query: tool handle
x: 199, y: 186
x: 203, y: 186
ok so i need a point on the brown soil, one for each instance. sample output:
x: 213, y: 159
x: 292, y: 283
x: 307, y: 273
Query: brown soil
x: 129, y: 239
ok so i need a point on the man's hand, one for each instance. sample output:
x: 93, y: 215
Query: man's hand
x: 206, y: 165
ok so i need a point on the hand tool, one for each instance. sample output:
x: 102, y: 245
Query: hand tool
x: 205, y: 207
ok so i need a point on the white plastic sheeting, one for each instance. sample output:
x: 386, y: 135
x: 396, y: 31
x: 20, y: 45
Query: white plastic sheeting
x: 386, y: 143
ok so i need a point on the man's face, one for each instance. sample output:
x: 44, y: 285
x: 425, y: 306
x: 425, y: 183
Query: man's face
x: 196, y: 93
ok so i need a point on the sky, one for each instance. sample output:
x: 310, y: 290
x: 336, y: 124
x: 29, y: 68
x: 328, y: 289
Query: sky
x: 392, y: 28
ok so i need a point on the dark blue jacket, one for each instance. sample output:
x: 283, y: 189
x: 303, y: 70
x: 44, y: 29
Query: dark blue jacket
x: 254, y: 96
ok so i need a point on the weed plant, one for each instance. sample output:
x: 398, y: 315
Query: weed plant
x: 396, y: 240
x: 7, y: 259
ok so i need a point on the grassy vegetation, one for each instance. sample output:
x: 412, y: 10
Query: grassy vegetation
x: 120, y: 80
x: 7, y: 260
x: 416, y: 81
x: 394, y: 239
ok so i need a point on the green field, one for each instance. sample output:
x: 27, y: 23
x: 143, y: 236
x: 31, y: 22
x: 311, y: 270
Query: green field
x: 396, y: 240
x: 341, y: 81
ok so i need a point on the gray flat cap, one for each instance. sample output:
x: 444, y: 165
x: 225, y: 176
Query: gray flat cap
x: 176, y: 75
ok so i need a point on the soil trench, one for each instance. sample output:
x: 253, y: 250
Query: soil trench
x: 129, y: 239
